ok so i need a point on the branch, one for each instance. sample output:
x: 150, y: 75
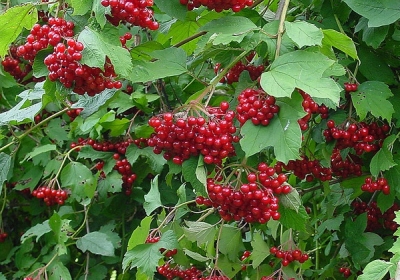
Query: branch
x: 281, y: 14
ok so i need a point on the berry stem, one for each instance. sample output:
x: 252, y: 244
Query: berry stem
x: 210, y: 88
x: 26, y: 133
x: 281, y: 28
x: 191, y: 38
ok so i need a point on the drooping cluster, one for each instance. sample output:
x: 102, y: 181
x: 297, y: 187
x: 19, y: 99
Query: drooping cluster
x: 122, y: 165
x: 134, y: 12
x: 177, y: 272
x: 257, y: 106
x: 288, y: 256
x: 305, y: 168
x: 345, y: 167
x: 254, y: 201
x: 181, y: 137
x: 311, y: 107
x: 217, y: 5
x: 64, y: 66
x: 362, y: 137
x: 41, y: 37
x: 50, y: 196
x: 16, y: 67
x: 381, y: 184
x: 234, y: 73
x: 375, y: 218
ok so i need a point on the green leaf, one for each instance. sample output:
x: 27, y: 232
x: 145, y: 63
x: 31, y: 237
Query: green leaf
x: 57, y: 270
x: 116, y: 127
x: 376, y: 270
x: 91, y: 104
x: 230, y: 241
x: 20, y: 113
x: 166, y: 63
x: 140, y: 234
x: 99, y: 45
x: 56, y: 131
x: 374, y: 66
x: 340, y: 41
x: 146, y: 256
x: 5, y: 165
x: 152, y: 198
x: 372, y: 36
x: 228, y: 268
x: 174, y: 9
x: 330, y: 224
x: 378, y: 12
x: 371, y: 97
x: 58, y: 225
x: 190, y: 171
x: 200, y: 232
x: 81, y: 7
x: 39, y: 68
x: 80, y: 179
x: 112, y: 183
x: 303, y: 33
x: 156, y: 162
x: 40, y: 150
x: 30, y: 179
x: 291, y: 200
x: 360, y: 244
x: 293, y: 219
x: 383, y: 159
x: 38, y: 230
x: 260, y: 249
x: 97, y: 243
x: 303, y: 70
x: 100, y: 12
x: 283, y: 133
x: 12, y: 23
x: 229, y: 25
x: 195, y: 256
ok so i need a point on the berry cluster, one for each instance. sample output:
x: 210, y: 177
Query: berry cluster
x: 350, y: 87
x: 375, y: 219
x: 133, y: 12
x: 310, y: 107
x: 234, y: 73
x: 15, y: 66
x: 246, y: 254
x: 127, y: 36
x: 50, y: 196
x: 183, y: 137
x: 64, y: 66
x: 362, y: 137
x: 73, y: 113
x: 3, y: 236
x: 122, y: 165
x: 305, y: 168
x: 289, y: 256
x: 256, y: 105
x: 218, y: 6
x: 41, y: 37
x: 168, y: 253
x: 193, y: 272
x: 345, y: 271
x: 351, y: 165
x: 105, y: 146
x: 381, y: 184
x: 254, y: 201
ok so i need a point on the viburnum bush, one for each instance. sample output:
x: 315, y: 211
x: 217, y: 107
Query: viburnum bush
x: 199, y: 139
